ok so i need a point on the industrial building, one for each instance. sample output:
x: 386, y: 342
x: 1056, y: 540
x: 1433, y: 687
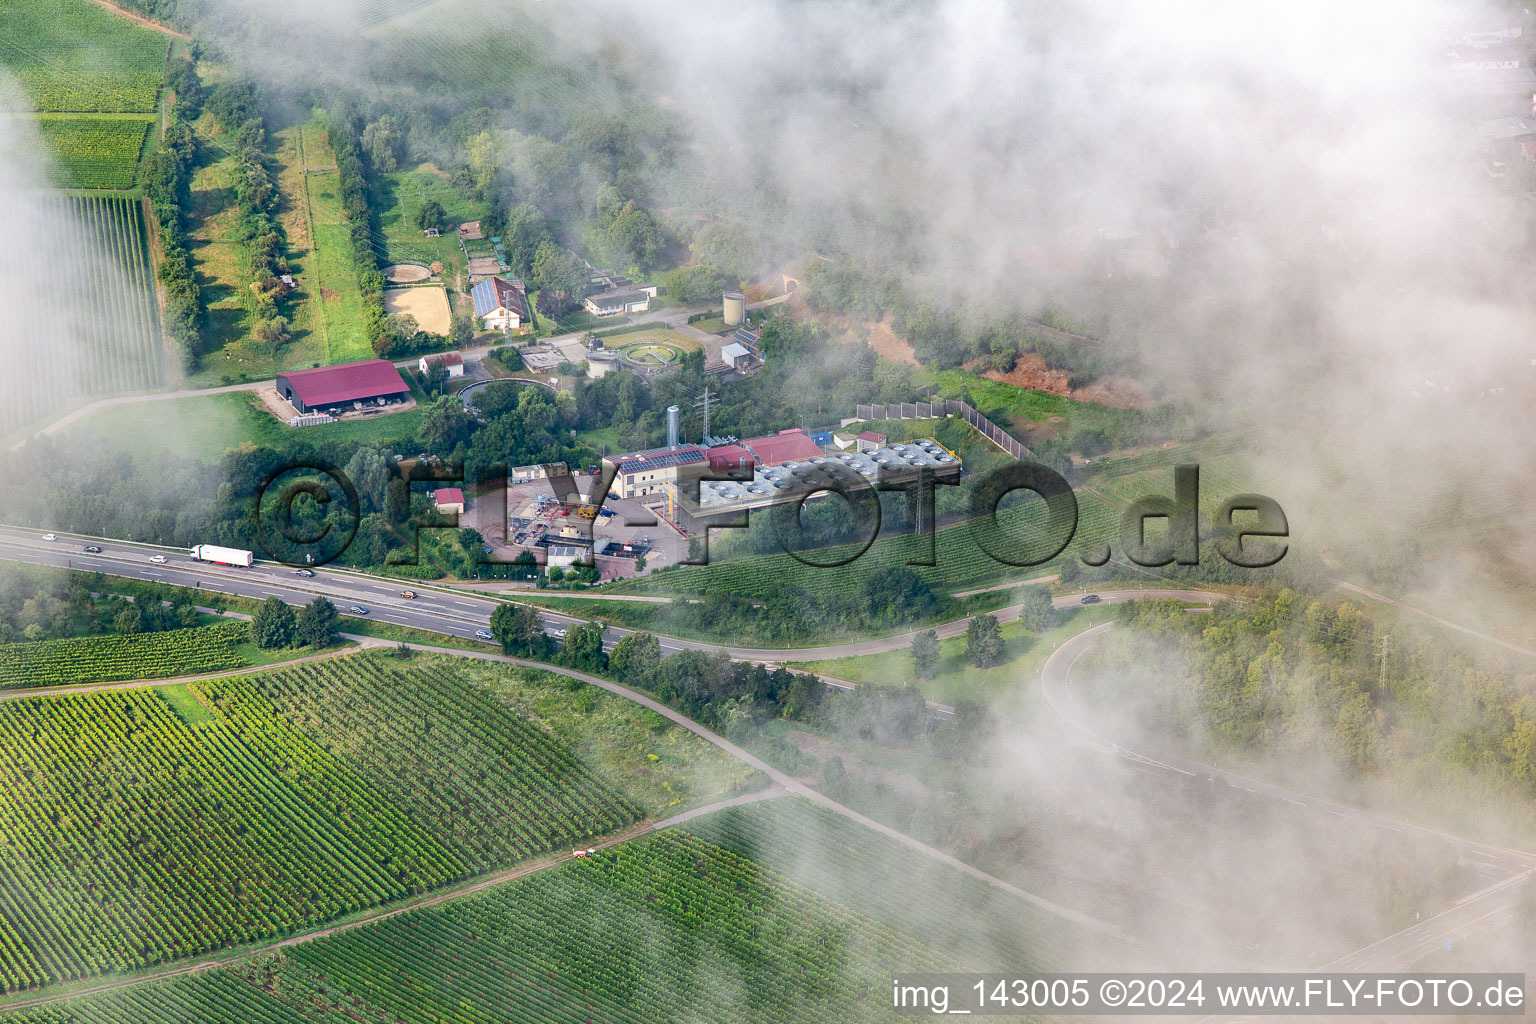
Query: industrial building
x: 334, y: 389
x: 723, y: 501
x: 656, y: 470
x: 632, y: 299
x: 786, y: 446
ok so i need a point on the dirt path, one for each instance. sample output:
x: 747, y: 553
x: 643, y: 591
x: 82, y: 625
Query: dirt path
x: 140, y: 19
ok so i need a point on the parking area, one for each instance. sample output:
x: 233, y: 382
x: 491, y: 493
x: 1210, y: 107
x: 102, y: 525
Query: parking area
x: 622, y: 530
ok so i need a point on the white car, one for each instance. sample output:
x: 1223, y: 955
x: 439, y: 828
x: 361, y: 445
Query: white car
x: 158, y: 559
x: 50, y: 536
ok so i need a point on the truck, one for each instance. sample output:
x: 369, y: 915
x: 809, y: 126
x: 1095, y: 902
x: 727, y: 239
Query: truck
x: 223, y: 556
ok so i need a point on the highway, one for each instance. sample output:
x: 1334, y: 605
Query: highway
x: 1493, y: 906
x: 436, y: 609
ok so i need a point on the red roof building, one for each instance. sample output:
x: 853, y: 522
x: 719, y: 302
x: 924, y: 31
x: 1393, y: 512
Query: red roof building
x: 730, y: 456
x: 791, y: 445
x: 328, y: 387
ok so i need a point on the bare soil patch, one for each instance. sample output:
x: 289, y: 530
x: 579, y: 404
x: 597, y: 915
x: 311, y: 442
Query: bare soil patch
x: 406, y: 273
x: 1030, y: 371
x: 428, y: 305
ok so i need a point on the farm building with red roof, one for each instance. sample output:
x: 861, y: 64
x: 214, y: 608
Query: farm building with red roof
x: 329, y: 388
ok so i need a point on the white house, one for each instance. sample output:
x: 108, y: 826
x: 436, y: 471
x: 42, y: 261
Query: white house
x: 634, y: 299
x: 502, y: 305
x: 452, y: 361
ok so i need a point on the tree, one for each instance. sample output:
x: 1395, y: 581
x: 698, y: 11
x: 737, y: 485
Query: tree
x: 583, y: 647
x: 383, y: 141
x: 983, y: 642
x: 316, y: 622
x: 636, y: 658
x: 272, y: 625
x: 129, y: 619
x: 519, y: 630
x: 431, y: 215
x: 446, y: 424
x: 1037, y: 614
x: 461, y: 330
x: 925, y: 654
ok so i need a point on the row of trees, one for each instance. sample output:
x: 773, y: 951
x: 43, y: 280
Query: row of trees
x: 237, y: 106
x: 277, y: 625
x: 166, y: 180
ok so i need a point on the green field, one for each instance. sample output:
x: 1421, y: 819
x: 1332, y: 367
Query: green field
x: 103, y: 336
x: 1011, y: 682
x: 137, y: 830
x: 174, y: 652
x: 207, y: 425
x: 400, y: 198
x: 95, y: 152
x: 779, y: 911
x: 73, y: 56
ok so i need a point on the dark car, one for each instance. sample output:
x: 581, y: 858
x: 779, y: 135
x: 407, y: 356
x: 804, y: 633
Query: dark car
x: 1091, y: 599
x: 92, y: 549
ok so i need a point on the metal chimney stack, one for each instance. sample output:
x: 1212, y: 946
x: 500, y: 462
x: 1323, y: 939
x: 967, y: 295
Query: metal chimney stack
x: 674, y: 425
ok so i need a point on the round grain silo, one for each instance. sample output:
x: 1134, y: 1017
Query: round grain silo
x: 735, y: 309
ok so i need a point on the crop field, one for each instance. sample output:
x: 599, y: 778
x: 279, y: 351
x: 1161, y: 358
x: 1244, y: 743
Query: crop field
x: 103, y: 328
x: 495, y: 787
x: 960, y: 560
x: 143, y: 825
x: 901, y: 888
x: 94, y: 152
x: 174, y: 652
x: 73, y: 56
x: 779, y: 911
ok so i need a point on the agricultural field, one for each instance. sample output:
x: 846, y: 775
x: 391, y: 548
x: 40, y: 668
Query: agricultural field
x: 779, y: 911
x: 105, y: 337
x: 495, y: 787
x: 95, y: 152
x: 205, y: 426
x: 90, y: 659
x: 72, y: 56
x: 142, y: 825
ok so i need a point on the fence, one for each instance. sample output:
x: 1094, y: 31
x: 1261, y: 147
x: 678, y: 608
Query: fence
x: 947, y: 407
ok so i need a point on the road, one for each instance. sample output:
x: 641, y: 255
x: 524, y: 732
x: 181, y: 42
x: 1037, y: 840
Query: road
x: 438, y: 610
x: 1498, y: 904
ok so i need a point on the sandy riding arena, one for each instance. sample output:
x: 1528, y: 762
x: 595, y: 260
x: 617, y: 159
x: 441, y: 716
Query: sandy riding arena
x: 406, y: 273
x: 428, y: 305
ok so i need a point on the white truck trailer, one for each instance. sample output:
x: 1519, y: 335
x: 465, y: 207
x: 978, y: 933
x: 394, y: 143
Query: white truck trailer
x: 223, y: 556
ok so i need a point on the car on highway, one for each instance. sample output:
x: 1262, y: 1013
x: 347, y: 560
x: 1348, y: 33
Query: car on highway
x: 303, y: 572
x: 1091, y: 599
x: 358, y: 609
x: 93, y: 549
x: 50, y: 536
x: 484, y: 634
x: 408, y: 593
x: 158, y: 559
